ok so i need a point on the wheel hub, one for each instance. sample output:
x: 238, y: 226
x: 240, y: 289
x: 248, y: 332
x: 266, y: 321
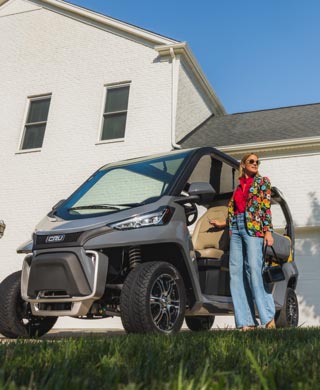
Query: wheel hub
x: 164, y: 302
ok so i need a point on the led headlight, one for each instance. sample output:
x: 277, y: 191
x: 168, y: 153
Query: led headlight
x: 156, y: 218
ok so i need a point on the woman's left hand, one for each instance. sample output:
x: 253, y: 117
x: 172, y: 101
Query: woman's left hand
x: 218, y: 224
x: 268, y: 239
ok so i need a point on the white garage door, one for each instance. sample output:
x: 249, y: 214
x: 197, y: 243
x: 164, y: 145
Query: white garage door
x: 308, y: 262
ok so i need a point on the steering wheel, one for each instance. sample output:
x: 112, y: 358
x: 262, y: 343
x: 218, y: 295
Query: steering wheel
x: 191, y: 211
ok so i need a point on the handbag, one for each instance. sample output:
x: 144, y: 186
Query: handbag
x: 272, y: 273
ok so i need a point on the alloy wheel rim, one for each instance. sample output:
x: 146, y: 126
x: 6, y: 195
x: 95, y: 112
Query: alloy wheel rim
x: 164, y: 302
x: 292, y: 311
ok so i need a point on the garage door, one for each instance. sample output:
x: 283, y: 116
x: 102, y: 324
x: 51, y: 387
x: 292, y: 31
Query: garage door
x: 308, y: 262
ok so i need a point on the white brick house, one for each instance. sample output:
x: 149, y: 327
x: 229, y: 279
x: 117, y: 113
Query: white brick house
x: 66, y: 72
x: 59, y: 66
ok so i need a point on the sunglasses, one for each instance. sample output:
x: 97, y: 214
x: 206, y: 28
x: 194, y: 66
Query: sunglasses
x: 252, y: 161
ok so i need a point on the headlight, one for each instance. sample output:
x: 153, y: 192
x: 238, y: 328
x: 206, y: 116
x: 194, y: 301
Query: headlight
x: 156, y: 218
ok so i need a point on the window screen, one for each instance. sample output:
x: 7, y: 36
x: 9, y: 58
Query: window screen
x: 36, y: 123
x: 115, y: 113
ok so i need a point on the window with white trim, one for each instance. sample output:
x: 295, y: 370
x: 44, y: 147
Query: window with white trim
x: 115, y: 112
x: 36, y: 123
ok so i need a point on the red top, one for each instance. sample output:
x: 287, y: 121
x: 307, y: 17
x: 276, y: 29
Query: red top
x: 241, y: 194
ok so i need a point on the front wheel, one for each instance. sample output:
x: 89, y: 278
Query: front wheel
x: 153, y: 299
x: 16, y: 318
x: 288, y: 316
x: 200, y: 323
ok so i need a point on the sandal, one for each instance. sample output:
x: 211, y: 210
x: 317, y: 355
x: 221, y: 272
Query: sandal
x: 271, y: 324
x: 246, y: 328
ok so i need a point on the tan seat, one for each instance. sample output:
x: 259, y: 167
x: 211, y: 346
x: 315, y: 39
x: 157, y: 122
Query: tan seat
x: 208, y: 241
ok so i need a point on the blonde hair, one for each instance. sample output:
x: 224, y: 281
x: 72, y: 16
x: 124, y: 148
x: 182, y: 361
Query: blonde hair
x: 242, y: 162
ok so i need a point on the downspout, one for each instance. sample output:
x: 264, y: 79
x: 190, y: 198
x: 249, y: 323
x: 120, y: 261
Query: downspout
x: 173, y: 100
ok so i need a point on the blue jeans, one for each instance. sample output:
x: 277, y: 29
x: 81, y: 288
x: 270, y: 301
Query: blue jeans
x: 246, y: 283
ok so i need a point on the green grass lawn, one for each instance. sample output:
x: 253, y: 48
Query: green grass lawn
x: 262, y: 359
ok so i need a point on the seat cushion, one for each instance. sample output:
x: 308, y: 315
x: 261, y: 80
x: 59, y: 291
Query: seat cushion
x: 207, y: 240
x: 209, y: 253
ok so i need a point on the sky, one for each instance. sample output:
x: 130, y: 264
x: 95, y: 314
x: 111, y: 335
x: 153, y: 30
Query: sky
x: 256, y: 54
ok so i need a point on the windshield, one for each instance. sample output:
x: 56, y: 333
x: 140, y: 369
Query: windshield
x: 118, y: 187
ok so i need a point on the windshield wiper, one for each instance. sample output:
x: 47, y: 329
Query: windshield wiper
x: 104, y: 206
x: 95, y: 206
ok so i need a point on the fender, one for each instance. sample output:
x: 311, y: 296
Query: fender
x: 26, y: 247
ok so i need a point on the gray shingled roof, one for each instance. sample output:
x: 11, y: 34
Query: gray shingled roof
x: 257, y: 126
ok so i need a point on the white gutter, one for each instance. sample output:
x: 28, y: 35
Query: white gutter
x: 306, y: 228
x: 183, y: 49
x: 174, y: 89
x: 282, y: 144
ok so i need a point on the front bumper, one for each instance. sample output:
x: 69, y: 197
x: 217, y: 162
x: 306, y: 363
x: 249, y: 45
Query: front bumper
x: 63, y: 282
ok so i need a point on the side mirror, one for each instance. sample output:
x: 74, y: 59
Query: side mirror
x: 199, y: 192
x: 203, y: 190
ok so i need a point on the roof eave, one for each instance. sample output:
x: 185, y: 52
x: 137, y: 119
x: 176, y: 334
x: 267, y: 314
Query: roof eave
x: 183, y: 49
x: 126, y: 28
x: 295, y: 143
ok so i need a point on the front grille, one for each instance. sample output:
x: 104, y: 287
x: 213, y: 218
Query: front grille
x: 70, y: 238
x: 53, y: 294
x: 55, y: 306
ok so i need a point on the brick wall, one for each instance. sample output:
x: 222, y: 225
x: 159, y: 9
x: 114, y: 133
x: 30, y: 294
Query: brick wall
x: 298, y: 178
x: 191, y: 105
x: 44, y: 52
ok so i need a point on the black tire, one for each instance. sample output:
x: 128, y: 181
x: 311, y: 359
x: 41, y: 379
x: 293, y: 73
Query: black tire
x: 153, y: 299
x: 16, y: 319
x: 199, y: 323
x: 288, y: 316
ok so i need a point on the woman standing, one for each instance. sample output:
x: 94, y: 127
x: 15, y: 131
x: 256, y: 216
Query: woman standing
x: 250, y: 226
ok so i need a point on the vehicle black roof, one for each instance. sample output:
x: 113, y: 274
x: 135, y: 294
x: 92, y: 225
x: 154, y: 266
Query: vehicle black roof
x: 190, y: 151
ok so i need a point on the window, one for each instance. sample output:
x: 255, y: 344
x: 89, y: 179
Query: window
x: 36, y: 123
x: 228, y: 178
x: 115, y: 112
x: 219, y: 174
x: 201, y: 172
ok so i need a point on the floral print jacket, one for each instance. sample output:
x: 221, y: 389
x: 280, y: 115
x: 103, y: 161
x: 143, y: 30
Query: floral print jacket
x: 258, y: 212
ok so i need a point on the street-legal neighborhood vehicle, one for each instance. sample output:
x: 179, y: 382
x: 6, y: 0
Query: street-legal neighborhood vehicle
x: 120, y: 245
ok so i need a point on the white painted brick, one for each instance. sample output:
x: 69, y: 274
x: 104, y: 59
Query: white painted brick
x: 44, y: 52
x: 191, y: 106
x: 299, y: 179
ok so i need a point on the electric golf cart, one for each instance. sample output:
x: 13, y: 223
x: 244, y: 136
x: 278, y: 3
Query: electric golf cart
x: 121, y: 245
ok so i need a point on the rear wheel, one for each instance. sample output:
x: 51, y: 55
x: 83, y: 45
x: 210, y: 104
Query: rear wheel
x: 16, y: 318
x: 153, y: 299
x: 288, y: 316
x: 200, y: 323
